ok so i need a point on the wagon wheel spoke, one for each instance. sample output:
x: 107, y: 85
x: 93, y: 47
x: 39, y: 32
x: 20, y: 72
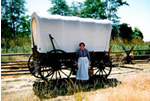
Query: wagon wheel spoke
x: 51, y: 73
x: 59, y: 74
x: 52, y: 76
x: 101, y: 72
x: 56, y: 75
x: 45, y: 72
x: 70, y: 73
x: 64, y: 73
x: 105, y: 72
x: 97, y: 71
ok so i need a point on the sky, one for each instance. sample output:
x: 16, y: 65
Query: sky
x: 137, y: 14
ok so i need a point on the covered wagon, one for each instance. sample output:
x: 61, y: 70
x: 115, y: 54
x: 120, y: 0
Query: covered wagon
x: 55, y: 40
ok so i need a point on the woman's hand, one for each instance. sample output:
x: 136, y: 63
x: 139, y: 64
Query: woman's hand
x: 76, y: 63
x: 89, y: 62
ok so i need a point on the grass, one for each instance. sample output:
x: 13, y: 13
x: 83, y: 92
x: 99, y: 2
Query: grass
x: 53, y: 89
x: 19, y: 45
x: 26, y: 95
x: 138, y: 44
x: 6, y: 58
x: 16, y: 80
x: 133, y: 88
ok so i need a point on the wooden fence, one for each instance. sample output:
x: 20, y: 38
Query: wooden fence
x: 17, y: 67
x: 20, y: 67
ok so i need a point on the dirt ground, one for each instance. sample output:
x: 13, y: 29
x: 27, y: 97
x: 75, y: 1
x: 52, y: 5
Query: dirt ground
x: 24, y: 83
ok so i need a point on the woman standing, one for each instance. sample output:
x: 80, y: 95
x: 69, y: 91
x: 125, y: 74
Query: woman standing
x: 83, y: 62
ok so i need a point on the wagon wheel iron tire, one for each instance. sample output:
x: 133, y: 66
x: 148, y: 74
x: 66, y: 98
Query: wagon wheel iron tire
x: 52, y: 65
x: 103, y: 68
x: 33, y: 70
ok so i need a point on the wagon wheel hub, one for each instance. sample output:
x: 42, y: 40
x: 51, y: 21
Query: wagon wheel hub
x: 57, y: 66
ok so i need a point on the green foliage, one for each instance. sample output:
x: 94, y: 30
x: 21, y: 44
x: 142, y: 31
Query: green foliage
x: 60, y: 7
x: 137, y: 34
x: 76, y: 8
x: 115, y: 31
x: 12, y: 18
x: 97, y: 9
x: 117, y: 43
x: 94, y: 9
x: 125, y: 31
x: 102, y: 9
x: 19, y: 45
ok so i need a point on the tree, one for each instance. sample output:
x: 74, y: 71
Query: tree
x: 115, y: 31
x: 60, y: 7
x: 24, y: 26
x: 125, y: 31
x: 137, y: 34
x: 12, y: 14
x: 102, y: 9
x: 76, y: 8
x: 112, y: 7
x: 97, y: 9
x: 93, y: 9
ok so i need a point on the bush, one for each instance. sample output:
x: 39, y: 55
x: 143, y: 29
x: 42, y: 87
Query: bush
x: 19, y: 45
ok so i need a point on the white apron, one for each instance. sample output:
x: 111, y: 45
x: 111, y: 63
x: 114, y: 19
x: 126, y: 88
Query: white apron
x: 83, y: 66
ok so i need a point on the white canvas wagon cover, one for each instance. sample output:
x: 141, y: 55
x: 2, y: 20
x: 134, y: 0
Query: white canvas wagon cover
x: 68, y: 32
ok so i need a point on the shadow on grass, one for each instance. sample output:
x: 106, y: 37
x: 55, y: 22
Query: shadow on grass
x: 63, y: 87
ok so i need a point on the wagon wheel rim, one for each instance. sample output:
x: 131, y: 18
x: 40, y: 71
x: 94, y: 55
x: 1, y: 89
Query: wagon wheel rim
x: 54, y: 72
x: 32, y: 69
x: 103, y: 69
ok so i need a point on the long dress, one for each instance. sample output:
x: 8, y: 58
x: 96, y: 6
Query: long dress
x: 83, y: 65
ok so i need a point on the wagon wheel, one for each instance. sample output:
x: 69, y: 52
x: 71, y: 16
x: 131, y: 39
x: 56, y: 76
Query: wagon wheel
x: 52, y: 65
x: 31, y: 65
x: 103, y: 68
